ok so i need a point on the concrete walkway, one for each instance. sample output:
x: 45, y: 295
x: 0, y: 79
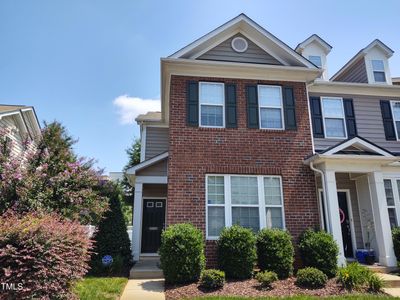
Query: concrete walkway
x: 146, y: 281
x: 144, y: 289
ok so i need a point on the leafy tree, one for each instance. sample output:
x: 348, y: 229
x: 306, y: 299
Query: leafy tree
x: 111, y: 237
x: 133, y: 153
x: 49, y: 177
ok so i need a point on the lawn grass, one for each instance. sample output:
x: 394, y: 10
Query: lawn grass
x: 352, y: 297
x: 100, y: 288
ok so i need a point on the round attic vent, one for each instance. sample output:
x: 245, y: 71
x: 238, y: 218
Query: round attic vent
x: 239, y: 44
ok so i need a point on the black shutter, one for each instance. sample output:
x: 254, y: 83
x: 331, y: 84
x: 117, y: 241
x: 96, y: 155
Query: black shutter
x: 316, y: 117
x: 289, y: 108
x: 192, y: 102
x: 388, y: 120
x: 350, y: 118
x: 252, y: 106
x: 230, y: 106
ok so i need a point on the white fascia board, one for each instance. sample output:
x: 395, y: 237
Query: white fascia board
x: 314, y: 38
x: 351, y: 159
x: 354, y: 142
x: 146, y: 163
x: 352, y: 88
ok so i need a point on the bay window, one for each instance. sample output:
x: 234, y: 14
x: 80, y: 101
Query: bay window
x: 250, y: 201
x: 212, y: 103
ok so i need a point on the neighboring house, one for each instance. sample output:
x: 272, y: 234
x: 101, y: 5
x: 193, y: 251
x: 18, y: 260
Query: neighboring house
x: 20, y: 124
x: 396, y: 80
x: 252, y: 132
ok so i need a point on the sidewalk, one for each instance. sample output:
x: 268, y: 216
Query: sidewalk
x: 144, y: 289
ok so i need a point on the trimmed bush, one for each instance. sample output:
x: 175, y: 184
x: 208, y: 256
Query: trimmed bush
x: 396, y: 242
x: 275, y: 252
x: 266, y: 278
x: 311, y: 278
x: 355, y: 276
x: 112, y: 238
x: 42, y: 255
x: 319, y: 250
x: 182, y: 253
x: 212, y: 279
x: 237, y: 252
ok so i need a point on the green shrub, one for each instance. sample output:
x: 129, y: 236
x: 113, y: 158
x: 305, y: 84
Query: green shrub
x: 311, y: 278
x: 355, y: 276
x: 319, y: 250
x: 42, y: 255
x: 237, y: 252
x: 111, y: 237
x: 212, y: 279
x: 275, y: 252
x: 396, y: 242
x: 266, y: 278
x: 182, y: 253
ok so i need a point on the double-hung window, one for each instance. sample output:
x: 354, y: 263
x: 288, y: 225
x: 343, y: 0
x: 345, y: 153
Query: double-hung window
x: 396, y: 117
x: 334, y: 119
x: 378, y: 68
x: 270, y: 107
x: 316, y: 60
x: 247, y: 200
x: 212, y: 103
x: 392, y: 186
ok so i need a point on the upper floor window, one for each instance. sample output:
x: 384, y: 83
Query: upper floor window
x: 270, y: 107
x: 396, y: 117
x: 378, y: 69
x: 212, y: 101
x: 334, y: 118
x: 316, y: 60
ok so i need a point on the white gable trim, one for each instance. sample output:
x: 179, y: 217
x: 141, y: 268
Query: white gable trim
x: 233, y: 26
x: 147, y: 163
x: 314, y: 38
x: 355, y: 142
x: 224, y: 38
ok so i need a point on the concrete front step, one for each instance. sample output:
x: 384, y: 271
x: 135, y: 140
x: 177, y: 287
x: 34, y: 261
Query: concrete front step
x: 147, y: 268
x: 382, y: 269
x: 391, y: 281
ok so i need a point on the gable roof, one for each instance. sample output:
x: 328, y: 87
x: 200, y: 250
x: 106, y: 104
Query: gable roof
x: 147, y: 163
x: 313, y: 38
x: 254, y: 32
x: 360, y: 54
x: 23, y: 113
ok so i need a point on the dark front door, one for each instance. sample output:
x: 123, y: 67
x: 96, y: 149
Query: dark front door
x: 345, y: 224
x: 153, y: 224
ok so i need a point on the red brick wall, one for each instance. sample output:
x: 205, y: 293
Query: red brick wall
x: 195, y: 152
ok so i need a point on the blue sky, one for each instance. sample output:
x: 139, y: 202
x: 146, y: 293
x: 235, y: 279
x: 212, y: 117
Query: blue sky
x: 94, y: 64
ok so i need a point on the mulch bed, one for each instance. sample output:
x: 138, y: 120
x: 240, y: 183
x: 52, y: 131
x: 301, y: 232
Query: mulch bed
x: 251, y: 288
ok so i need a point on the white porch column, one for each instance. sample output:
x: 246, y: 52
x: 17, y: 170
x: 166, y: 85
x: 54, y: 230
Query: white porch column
x: 137, y: 221
x: 333, y: 212
x: 383, y: 232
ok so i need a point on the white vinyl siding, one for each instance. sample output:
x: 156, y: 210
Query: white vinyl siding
x: 333, y: 117
x: 270, y: 105
x: 212, y: 104
x: 250, y: 201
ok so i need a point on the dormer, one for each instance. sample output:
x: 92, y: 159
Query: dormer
x: 369, y: 65
x: 315, y: 49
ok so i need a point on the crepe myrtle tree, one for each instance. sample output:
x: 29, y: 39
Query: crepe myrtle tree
x: 47, y: 176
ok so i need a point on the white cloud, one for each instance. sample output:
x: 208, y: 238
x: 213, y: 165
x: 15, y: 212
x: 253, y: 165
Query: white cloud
x: 130, y: 107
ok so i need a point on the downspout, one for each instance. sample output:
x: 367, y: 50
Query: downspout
x: 328, y: 223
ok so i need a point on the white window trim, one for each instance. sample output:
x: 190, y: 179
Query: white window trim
x: 228, y: 200
x: 396, y: 197
x: 344, y: 119
x: 320, y: 58
x: 373, y: 71
x: 392, y: 103
x: 212, y: 104
x: 270, y: 106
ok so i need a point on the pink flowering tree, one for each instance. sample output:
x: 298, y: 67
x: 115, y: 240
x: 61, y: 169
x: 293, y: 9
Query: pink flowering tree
x: 48, y: 177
